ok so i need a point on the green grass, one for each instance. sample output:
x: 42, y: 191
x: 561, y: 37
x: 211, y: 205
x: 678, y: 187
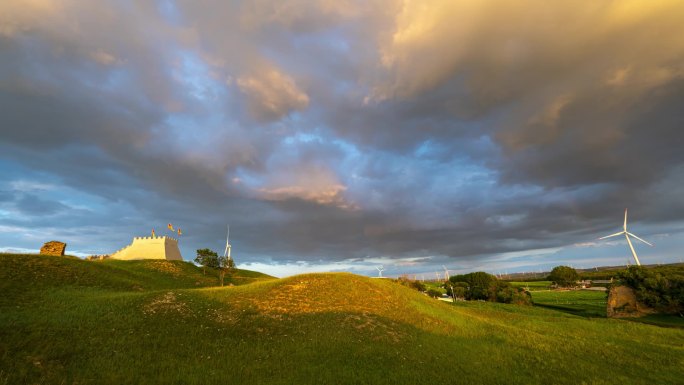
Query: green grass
x: 532, y: 285
x: 72, y: 321
x: 587, y: 303
x: 667, y: 320
x: 435, y: 285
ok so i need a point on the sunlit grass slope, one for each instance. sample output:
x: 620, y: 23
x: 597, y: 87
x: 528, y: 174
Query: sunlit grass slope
x: 31, y: 275
x: 308, y: 329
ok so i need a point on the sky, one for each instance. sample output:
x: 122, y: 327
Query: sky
x: 339, y: 135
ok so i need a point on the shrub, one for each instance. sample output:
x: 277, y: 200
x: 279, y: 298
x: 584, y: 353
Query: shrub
x: 413, y: 284
x: 434, y: 293
x: 663, y: 291
x: 482, y: 286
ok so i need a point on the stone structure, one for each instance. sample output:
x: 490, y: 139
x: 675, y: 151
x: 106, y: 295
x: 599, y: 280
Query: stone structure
x: 150, y: 248
x: 622, y: 302
x: 53, y: 248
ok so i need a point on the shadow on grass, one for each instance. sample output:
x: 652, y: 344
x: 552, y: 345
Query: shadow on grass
x: 664, y: 320
x: 574, y: 311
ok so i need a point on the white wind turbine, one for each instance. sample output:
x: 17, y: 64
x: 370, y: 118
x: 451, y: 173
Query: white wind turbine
x: 380, y: 270
x: 226, y: 253
x: 627, y: 235
x: 446, y: 273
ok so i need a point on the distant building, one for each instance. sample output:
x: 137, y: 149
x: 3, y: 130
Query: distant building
x: 150, y: 248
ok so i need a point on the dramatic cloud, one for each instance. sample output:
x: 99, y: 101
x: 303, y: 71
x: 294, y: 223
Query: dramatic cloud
x: 342, y: 134
x: 272, y: 94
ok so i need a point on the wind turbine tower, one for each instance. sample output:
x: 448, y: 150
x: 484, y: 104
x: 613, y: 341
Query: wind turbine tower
x: 380, y: 270
x: 629, y: 242
x: 446, y: 273
x: 226, y: 253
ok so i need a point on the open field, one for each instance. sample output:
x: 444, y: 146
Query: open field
x: 70, y: 321
x: 532, y: 285
x: 586, y: 303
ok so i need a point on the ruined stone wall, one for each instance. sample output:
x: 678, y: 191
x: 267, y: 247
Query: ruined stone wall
x: 622, y: 302
x: 53, y: 248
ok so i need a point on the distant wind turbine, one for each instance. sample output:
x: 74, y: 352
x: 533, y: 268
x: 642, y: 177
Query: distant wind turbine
x: 380, y: 270
x: 627, y: 235
x: 226, y: 253
x: 446, y: 273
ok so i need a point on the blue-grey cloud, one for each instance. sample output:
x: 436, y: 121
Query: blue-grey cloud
x: 337, y: 133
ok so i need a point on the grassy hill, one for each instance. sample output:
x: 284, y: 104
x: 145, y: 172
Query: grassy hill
x: 67, y: 321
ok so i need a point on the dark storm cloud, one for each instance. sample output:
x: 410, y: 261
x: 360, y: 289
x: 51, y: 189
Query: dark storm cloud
x: 343, y: 130
x: 30, y: 204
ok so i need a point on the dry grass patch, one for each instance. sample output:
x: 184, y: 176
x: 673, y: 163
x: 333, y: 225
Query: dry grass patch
x: 167, y: 267
x: 167, y: 303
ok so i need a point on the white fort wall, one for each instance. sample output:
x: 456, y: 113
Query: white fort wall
x: 150, y: 248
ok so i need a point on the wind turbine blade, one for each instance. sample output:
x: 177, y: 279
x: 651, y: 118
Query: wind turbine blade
x: 634, y: 254
x: 625, y: 225
x: 639, y: 239
x: 613, y: 235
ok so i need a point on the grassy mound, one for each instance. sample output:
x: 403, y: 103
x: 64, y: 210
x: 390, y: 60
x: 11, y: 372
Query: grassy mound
x: 24, y: 275
x: 316, y: 328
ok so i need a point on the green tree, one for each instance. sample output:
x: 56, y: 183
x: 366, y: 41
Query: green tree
x: 478, y: 285
x: 207, y: 258
x: 564, y: 276
x: 456, y: 289
x: 483, y: 286
x: 434, y: 293
x: 225, y: 266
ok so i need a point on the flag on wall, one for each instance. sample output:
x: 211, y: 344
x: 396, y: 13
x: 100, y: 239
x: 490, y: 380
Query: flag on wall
x: 170, y: 226
x: 179, y: 232
x: 153, y: 233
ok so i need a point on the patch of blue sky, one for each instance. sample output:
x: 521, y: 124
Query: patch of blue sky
x: 249, y: 178
x: 188, y: 128
x: 303, y: 137
x: 195, y: 77
x: 115, y: 79
x: 195, y: 131
x: 350, y: 149
x: 430, y: 148
x: 12, y: 170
